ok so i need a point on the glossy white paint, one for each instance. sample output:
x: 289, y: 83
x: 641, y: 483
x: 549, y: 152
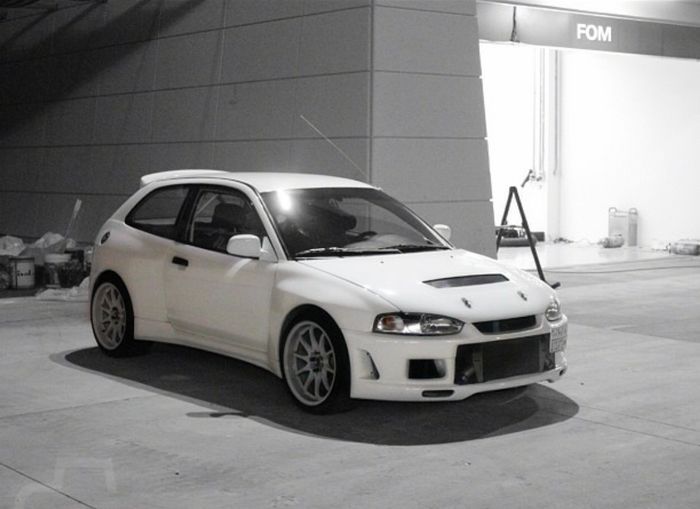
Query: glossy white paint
x: 262, y: 181
x: 237, y: 306
x: 400, y: 280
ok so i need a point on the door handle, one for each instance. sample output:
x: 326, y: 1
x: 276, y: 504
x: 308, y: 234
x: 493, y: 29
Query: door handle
x: 180, y: 261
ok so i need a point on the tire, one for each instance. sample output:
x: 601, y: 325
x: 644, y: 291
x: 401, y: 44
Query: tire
x: 112, y: 319
x: 316, y: 366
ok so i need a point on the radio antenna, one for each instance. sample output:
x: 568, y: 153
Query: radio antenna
x: 362, y: 172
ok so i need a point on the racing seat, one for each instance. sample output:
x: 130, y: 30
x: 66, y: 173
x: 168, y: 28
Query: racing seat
x: 227, y: 220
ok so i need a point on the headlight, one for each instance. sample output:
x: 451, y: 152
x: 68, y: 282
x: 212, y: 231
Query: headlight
x: 416, y: 324
x: 553, y: 312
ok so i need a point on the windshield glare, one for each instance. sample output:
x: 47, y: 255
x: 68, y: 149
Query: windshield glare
x: 352, y: 220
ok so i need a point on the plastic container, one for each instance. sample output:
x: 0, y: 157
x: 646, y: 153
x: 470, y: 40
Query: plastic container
x: 53, y: 265
x: 686, y: 247
x: 623, y: 223
x: 22, y: 273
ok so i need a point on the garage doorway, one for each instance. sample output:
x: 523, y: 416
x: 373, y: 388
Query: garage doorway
x: 598, y: 129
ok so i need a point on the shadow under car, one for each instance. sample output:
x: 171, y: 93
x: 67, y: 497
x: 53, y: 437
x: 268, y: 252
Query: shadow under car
x: 237, y: 389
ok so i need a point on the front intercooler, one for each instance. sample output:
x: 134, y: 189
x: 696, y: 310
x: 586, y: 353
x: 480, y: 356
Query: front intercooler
x: 494, y: 360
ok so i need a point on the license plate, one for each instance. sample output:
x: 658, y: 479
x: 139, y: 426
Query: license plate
x: 557, y: 339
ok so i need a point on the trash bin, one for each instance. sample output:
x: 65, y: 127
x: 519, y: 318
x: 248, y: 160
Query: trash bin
x: 621, y: 222
x: 22, y: 272
x: 53, y: 266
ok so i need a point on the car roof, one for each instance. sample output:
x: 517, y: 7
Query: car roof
x: 262, y: 181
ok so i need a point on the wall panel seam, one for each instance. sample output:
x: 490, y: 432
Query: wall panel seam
x: 70, y: 193
x: 384, y: 137
x: 181, y: 142
x: 424, y: 73
x: 418, y: 9
x: 38, y: 14
x: 370, y: 91
x: 190, y: 87
x: 184, y: 34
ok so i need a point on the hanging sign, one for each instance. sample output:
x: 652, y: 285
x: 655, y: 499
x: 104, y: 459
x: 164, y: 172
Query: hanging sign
x: 546, y: 27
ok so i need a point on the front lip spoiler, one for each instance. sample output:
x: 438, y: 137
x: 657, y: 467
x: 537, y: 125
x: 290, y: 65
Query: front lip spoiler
x: 376, y: 390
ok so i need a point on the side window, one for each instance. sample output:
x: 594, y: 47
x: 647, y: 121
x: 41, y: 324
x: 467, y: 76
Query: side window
x: 220, y: 214
x: 157, y: 213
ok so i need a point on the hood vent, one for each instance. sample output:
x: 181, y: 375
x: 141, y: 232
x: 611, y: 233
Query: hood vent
x: 460, y: 281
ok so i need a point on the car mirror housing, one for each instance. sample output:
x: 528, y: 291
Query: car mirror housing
x: 244, y: 246
x: 444, y: 231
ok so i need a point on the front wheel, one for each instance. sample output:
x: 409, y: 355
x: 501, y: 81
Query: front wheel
x: 316, y: 366
x: 112, y: 318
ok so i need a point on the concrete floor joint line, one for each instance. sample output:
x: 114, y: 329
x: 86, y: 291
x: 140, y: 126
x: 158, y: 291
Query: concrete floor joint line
x: 86, y: 405
x: 18, y: 472
x: 623, y: 428
x: 629, y: 416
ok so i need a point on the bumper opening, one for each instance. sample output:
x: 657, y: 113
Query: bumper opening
x: 483, y: 362
x: 422, y: 369
x: 437, y: 394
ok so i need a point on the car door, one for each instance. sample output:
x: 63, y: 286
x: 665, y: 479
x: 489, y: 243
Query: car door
x: 217, y: 299
x: 154, y: 224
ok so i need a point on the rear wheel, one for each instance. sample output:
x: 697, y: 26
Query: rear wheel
x: 112, y: 318
x: 316, y: 365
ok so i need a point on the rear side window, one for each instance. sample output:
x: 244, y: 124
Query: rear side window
x: 158, y: 212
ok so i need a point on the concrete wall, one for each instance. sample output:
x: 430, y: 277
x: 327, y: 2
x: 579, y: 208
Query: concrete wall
x: 629, y: 138
x: 93, y: 96
x: 428, y: 125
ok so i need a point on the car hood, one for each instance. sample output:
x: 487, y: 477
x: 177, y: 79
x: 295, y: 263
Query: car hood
x: 400, y: 279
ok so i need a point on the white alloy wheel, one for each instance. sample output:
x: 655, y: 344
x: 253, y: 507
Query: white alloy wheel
x: 310, y: 363
x: 109, y: 316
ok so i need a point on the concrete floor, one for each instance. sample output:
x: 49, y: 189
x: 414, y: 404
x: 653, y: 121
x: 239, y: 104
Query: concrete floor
x: 182, y: 428
x: 576, y: 253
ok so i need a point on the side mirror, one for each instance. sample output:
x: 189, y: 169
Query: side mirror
x: 249, y: 246
x: 444, y: 231
x: 244, y: 246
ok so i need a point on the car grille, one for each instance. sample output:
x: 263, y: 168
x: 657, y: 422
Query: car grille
x: 507, y: 325
x: 483, y: 362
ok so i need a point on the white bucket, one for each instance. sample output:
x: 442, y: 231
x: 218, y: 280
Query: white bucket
x: 22, y: 272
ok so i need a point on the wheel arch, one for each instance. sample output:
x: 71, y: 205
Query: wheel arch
x: 337, y: 398
x: 107, y: 275
x: 292, y: 318
x: 128, y: 345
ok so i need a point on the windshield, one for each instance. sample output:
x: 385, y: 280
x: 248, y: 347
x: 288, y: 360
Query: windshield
x: 347, y: 222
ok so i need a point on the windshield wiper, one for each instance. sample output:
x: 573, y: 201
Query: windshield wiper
x: 410, y: 248
x: 341, y: 251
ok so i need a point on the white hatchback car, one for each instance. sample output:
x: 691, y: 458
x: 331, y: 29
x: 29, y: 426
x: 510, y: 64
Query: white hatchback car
x: 327, y: 282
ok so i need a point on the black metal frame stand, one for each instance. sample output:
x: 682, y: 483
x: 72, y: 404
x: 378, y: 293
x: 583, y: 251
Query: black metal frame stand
x: 513, y: 191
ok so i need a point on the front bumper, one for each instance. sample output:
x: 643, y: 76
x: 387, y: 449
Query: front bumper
x: 380, y: 366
